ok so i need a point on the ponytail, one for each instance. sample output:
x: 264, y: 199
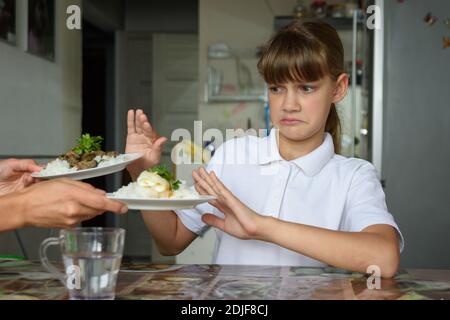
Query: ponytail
x: 333, y: 127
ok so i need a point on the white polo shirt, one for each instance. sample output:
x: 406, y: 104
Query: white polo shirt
x: 321, y: 189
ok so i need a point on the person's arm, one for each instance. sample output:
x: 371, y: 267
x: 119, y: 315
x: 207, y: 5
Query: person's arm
x: 11, y: 215
x: 54, y: 204
x: 169, y: 233
x: 376, y: 245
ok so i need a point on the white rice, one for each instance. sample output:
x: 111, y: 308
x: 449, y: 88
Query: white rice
x: 59, y: 166
x: 106, y: 161
x: 135, y: 191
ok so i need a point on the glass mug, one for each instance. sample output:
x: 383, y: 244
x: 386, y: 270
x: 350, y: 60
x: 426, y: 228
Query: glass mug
x: 92, y: 258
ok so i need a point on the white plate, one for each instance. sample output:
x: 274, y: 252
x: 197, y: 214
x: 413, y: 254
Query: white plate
x: 94, y: 172
x: 161, y: 204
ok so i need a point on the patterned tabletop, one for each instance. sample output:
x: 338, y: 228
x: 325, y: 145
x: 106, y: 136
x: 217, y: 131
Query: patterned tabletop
x: 26, y: 280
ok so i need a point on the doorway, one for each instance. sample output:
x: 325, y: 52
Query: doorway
x: 98, y: 96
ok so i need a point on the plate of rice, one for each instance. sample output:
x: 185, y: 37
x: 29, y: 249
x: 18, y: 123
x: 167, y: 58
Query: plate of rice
x: 86, y: 161
x: 157, y: 190
x: 106, y: 165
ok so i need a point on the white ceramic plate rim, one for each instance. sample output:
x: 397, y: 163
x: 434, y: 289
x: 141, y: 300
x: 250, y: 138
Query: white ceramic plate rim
x: 199, y: 198
x: 94, y: 172
x: 162, y: 203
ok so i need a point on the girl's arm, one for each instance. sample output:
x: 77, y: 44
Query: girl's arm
x: 169, y: 233
x: 376, y: 245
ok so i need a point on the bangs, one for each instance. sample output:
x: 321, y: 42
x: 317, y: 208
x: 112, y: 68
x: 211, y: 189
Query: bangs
x: 293, y: 57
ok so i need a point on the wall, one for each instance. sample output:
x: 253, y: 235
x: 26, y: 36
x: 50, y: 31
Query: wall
x: 416, y: 130
x: 161, y: 16
x: 242, y: 25
x: 40, y: 100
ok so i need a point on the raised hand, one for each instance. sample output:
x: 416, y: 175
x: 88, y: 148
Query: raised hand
x: 144, y: 139
x: 239, y: 221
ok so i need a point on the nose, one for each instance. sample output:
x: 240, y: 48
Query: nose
x: 291, y: 102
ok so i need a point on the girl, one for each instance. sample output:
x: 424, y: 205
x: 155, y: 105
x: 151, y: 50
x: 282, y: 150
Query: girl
x: 289, y: 199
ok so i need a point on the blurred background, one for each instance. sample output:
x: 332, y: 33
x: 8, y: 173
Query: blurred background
x: 187, y: 60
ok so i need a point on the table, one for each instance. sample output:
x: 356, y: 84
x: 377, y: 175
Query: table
x: 27, y: 280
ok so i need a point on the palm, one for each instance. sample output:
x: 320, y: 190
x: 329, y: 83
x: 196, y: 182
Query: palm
x: 239, y: 220
x: 143, y: 139
x: 235, y: 227
x: 139, y: 143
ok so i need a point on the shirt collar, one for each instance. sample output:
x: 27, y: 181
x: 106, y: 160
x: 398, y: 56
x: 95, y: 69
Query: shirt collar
x: 311, y: 164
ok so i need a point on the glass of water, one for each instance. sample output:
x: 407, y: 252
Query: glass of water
x: 92, y: 258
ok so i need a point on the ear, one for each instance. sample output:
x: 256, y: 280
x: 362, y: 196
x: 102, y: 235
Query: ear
x: 340, y: 91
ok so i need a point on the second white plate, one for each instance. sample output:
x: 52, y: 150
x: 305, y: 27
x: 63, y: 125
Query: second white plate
x: 161, y: 204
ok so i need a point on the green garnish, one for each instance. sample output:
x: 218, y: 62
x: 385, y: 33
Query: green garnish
x: 175, y: 185
x: 88, y: 144
x: 165, y: 174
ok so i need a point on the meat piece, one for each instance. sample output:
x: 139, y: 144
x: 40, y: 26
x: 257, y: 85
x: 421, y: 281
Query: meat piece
x: 88, y: 156
x: 112, y: 154
x: 83, y: 165
x: 71, y: 157
x: 99, y: 153
x: 72, y: 162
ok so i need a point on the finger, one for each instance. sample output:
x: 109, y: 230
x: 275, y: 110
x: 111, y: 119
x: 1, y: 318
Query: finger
x: 226, y: 195
x: 114, y: 206
x: 99, y: 202
x: 220, y: 206
x: 74, y: 209
x: 205, y: 175
x: 131, y: 122
x: 147, y: 128
x: 37, y: 180
x: 215, y: 203
x: 25, y: 166
x: 213, y: 221
x: 221, y: 187
x: 160, y: 143
x: 200, y: 181
x: 146, y: 125
x: 200, y: 190
x: 138, y: 122
x: 27, y: 179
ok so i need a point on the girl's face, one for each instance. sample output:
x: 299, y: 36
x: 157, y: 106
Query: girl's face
x: 300, y: 110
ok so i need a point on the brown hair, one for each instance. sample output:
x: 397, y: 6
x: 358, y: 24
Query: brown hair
x: 305, y: 51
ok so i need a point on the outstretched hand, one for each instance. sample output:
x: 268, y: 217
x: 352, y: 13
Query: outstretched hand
x: 239, y: 220
x: 144, y: 139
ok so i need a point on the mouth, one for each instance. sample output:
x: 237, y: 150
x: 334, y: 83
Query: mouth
x: 291, y: 121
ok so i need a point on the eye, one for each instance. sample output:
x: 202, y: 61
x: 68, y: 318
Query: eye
x: 275, y: 89
x: 307, y: 89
